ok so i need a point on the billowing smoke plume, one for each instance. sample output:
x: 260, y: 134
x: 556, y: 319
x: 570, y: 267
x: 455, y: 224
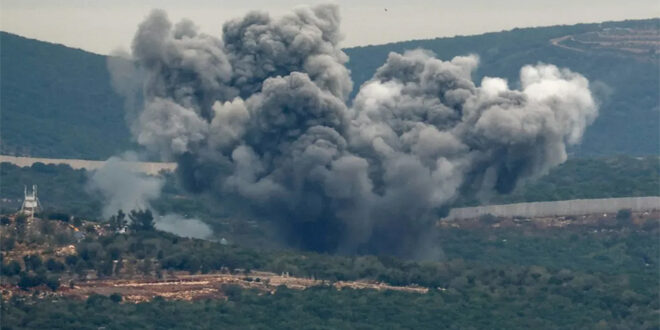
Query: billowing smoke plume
x: 122, y: 188
x: 261, y: 114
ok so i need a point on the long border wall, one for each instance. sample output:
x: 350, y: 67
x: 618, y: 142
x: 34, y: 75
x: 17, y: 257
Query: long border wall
x: 151, y: 168
x: 559, y: 208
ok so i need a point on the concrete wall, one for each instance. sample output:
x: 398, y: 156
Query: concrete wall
x: 151, y: 168
x: 559, y: 208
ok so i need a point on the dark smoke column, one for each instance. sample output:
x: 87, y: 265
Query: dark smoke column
x: 260, y: 115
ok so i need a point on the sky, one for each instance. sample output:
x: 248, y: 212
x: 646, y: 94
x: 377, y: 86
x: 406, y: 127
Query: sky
x: 105, y: 26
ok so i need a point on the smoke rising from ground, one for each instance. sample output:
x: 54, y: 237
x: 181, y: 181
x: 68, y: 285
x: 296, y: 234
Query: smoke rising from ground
x: 178, y: 225
x: 261, y: 114
x: 123, y: 188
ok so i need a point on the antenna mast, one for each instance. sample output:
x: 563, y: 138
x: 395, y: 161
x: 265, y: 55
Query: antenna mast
x: 31, y: 202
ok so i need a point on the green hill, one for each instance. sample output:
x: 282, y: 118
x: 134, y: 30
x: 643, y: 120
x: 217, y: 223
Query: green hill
x: 58, y: 102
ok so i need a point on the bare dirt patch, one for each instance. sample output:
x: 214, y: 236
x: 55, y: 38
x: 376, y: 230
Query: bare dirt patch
x: 202, y: 286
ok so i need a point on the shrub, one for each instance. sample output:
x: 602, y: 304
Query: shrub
x: 54, y: 265
x: 52, y: 282
x: 116, y: 297
x: 11, y: 269
x: 624, y: 217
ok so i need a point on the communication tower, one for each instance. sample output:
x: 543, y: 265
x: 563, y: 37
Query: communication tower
x: 31, y: 202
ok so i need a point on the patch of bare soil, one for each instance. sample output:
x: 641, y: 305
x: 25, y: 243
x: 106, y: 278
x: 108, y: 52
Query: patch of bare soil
x: 203, y: 286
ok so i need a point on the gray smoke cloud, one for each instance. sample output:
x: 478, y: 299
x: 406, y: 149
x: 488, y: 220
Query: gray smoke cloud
x: 123, y: 188
x: 261, y: 114
x: 126, y: 79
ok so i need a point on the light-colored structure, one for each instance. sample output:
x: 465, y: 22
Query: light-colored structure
x: 31, y: 203
x: 559, y: 208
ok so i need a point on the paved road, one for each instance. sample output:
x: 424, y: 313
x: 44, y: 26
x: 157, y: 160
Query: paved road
x: 152, y: 168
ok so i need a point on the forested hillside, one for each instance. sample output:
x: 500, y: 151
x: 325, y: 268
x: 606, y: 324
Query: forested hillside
x: 58, y: 101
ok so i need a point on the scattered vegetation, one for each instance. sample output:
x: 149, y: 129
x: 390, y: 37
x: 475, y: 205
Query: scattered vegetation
x: 502, y: 277
x: 491, y: 298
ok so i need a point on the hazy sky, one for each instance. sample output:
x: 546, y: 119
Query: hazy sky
x: 103, y: 26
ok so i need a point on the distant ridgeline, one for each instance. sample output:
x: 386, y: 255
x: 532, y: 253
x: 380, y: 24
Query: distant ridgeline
x: 58, y: 102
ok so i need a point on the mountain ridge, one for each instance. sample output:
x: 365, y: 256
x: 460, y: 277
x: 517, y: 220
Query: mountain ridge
x: 655, y: 20
x: 58, y: 101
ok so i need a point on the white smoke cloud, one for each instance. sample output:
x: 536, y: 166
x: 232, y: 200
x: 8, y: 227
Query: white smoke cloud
x: 193, y: 228
x: 124, y: 188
